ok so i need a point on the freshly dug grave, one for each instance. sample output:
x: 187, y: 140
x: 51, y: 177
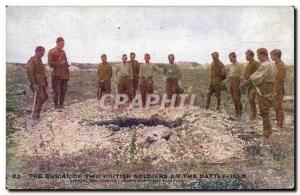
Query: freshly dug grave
x: 137, y: 135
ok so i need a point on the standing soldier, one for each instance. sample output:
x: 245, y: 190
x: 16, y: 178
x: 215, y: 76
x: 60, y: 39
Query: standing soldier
x: 57, y: 60
x: 136, y: 70
x: 236, y: 71
x: 279, y: 85
x: 263, y: 80
x: 38, y: 80
x: 146, y: 78
x: 172, y: 76
x: 124, y: 76
x: 251, y: 67
x: 104, y: 74
x: 217, y: 74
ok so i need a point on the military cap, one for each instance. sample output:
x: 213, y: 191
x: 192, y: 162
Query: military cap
x: 39, y: 48
x: 277, y: 52
x: 262, y: 51
x: 232, y: 54
x: 250, y: 52
x: 59, y: 39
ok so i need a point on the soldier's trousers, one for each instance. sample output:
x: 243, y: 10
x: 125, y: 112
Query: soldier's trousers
x: 251, y: 95
x: 59, y: 87
x: 172, y: 88
x: 146, y: 87
x: 214, y: 89
x: 41, y: 98
x: 135, y: 84
x: 278, y: 101
x: 236, y: 94
x: 104, y: 88
x: 124, y: 86
x: 265, y: 102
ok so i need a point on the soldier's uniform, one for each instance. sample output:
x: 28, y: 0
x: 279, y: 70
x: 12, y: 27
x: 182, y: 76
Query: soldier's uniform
x: 124, y: 76
x: 279, y: 91
x: 172, y: 76
x: 104, y: 74
x: 59, y: 75
x: 235, y: 77
x: 146, y: 75
x: 37, y: 77
x: 136, y: 71
x: 251, y: 67
x: 217, y: 74
x: 263, y: 80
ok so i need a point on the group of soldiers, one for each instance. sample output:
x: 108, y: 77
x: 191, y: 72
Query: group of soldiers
x: 262, y: 79
x: 131, y: 75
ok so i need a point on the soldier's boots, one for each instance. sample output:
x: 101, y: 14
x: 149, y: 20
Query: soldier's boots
x: 267, y: 133
x: 55, y: 100
x: 61, y: 101
x: 252, y: 117
x: 218, y: 103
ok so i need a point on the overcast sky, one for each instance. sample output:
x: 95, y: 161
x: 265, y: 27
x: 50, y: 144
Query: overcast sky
x: 191, y: 33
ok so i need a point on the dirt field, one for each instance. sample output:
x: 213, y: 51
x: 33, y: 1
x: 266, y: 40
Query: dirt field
x: 267, y: 164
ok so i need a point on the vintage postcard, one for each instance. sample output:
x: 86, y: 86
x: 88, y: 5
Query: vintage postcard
x: 150, y: 98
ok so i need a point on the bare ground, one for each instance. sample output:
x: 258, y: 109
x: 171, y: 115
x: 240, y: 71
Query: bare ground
x: 267, y: 164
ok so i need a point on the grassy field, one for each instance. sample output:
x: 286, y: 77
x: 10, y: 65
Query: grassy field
x: 276, y: 156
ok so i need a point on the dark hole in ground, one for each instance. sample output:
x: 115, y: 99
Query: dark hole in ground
x: 131, y: 122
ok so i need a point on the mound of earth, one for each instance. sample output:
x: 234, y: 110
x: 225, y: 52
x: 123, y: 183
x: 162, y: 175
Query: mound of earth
x: 155, y: 136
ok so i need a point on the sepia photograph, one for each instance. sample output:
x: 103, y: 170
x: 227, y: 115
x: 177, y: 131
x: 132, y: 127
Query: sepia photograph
x: 189, y: 98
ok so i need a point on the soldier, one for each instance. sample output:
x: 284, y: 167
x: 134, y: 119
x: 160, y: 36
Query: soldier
x: 172, y: 76
x: 217, y: 74
x: 279, y: 85
x: 236, y: 71
x: 104, y: 74
x: 263, y: 80
x: 146, y: 75
x: 251, y: 67
x: 38, y: 80
x: 124, y: 76
x: 136, y: 70
x: 57, y: 60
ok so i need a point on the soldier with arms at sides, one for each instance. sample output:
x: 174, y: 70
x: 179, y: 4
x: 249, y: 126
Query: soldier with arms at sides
x: 217, y: 75
x: 251, y: 67
x: 172, y: 77
x: 147, y: 71
x: 235, y: 76
x: 136, y: 71
x: 104, y: 74
x: 279, y: 85
x: 38, y: 81
x: 124, y: 76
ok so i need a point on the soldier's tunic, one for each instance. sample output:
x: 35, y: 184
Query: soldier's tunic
x: 37, y: 76
x: 279, y: 91
x: 216, y: 76
x: 263, y: 79
x: 59, y: 75
x: 251, y: 67
x: 136, y: 71
x: 104, y: 74
x: 235, y: 75
x: 173, y: 75
x: 124, y: 76
x: 146, y: 75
